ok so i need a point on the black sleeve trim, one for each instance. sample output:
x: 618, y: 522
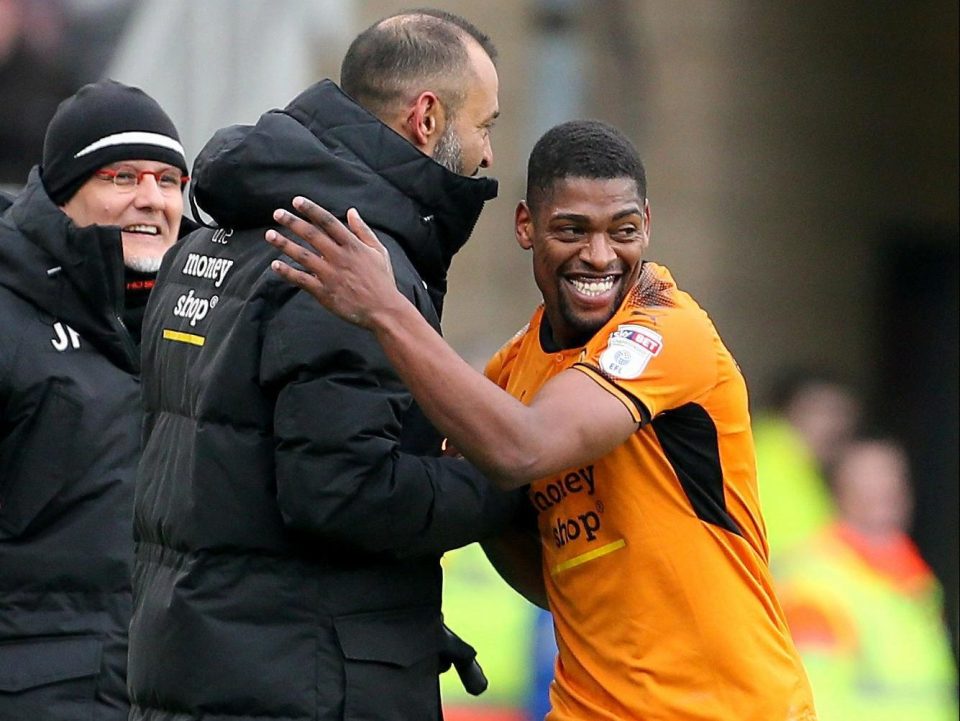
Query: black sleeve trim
x: 606, y: 381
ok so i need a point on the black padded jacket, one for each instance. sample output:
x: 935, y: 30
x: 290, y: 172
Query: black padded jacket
x: 292, y: 505
x: 69, y: 441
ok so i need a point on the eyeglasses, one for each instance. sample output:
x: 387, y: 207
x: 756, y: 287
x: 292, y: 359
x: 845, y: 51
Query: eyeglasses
x: 126, y: 178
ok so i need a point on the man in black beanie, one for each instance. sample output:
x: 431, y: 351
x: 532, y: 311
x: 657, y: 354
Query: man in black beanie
x: 79, y: 249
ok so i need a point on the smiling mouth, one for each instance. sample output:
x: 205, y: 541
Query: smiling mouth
x: 141, y: 229
x: 594, y: 287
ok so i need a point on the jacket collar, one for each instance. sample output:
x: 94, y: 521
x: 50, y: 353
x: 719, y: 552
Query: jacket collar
x: 326, y: 147
x: 73, y: 274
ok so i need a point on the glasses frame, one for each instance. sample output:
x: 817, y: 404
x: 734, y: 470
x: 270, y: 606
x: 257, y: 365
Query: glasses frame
x: 110, y: 174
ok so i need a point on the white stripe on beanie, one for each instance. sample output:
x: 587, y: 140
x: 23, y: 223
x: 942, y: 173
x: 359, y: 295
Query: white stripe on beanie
x: 132, y: 138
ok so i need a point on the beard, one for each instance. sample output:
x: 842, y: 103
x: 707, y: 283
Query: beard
x: 581, y: 329
x: 449, y: 151
x: 144, y: 263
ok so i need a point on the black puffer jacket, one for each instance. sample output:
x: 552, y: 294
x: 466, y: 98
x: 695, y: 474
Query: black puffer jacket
x: 69, y: 439
x: 291, y: 505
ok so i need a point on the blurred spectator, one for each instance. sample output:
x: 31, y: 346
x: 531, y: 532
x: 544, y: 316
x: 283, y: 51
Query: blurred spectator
x: 811, y: 420
x: 864, y: 608
x: 499, y: 623
x: 32, y: 83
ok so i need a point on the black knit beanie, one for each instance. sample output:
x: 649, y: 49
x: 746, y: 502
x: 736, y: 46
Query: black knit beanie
x: 101, y: 124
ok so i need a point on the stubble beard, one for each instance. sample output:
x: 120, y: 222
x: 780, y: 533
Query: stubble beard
x: 449, y: 151
x: 144, y: 263
x: 582, y: 329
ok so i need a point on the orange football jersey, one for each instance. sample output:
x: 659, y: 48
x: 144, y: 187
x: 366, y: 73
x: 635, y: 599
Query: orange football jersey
x: 654, y: 555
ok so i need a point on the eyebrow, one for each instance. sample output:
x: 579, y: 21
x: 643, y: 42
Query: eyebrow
x: 635, y: 210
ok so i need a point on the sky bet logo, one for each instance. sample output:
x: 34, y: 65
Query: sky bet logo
x: 569, y: 529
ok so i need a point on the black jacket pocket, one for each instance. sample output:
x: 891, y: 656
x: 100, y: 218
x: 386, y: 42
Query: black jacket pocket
x: 39, y: 661
x: 49, y: 677
x: 391, y: 662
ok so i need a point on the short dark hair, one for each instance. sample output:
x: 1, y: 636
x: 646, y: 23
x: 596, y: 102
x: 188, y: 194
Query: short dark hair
x: 582, y: 149
x: 394, y: 55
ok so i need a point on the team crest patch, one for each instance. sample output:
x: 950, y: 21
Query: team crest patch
x: 629, y: 349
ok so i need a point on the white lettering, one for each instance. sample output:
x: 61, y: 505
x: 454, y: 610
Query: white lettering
x: 194, y: 307
x: 221, y: 235
x: 205, y: 266
x: 66, y: 337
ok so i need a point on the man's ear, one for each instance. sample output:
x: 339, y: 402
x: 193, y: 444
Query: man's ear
x: 523, y: 225
x: 425, y: 121
x: 646, y: 223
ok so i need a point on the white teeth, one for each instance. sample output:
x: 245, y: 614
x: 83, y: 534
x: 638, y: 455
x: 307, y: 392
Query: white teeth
x: 147, y: 229
x: 593, y: 287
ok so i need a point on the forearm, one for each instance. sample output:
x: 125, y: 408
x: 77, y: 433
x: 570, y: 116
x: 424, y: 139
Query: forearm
x: 571, y: 418
x: 488, y: 426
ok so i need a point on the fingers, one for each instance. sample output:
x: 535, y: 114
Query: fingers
x: 328, y: 240
x: 307, y: 282
x: 304, y: 256
x: 317, y: 235
x: 362, y: 230
x: 320, y: 219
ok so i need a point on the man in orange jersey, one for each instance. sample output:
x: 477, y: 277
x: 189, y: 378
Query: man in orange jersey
x: 632, y: 431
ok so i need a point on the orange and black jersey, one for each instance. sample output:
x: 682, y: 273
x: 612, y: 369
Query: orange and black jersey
x: 655, y: 555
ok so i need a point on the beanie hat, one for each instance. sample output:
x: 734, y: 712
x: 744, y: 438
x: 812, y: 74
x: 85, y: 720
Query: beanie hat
x: 101, y: 124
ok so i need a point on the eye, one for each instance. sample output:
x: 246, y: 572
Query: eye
x: 568, y: 232
x: 169, y: 180
x: 125, y: 177
x: 625, y: 233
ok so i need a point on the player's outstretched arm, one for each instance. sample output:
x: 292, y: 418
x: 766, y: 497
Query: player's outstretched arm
x: 572, y: 420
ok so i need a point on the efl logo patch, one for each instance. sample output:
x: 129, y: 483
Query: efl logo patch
x: 629, y: 349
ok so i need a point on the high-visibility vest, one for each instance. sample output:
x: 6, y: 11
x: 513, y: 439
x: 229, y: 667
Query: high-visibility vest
x: 794, y: 498
x: 875, y: 646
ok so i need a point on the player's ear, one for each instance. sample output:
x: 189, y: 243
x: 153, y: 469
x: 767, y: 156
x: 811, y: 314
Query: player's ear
x: 646, y: 224
x: 523, y: 225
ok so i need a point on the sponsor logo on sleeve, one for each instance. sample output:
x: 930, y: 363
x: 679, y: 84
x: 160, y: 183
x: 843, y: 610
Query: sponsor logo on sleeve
x: 629, y: 350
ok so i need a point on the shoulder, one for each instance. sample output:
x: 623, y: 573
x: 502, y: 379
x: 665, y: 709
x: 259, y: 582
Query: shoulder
x: 501, y: 364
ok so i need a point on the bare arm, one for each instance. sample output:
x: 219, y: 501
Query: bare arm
x: 572, y: 420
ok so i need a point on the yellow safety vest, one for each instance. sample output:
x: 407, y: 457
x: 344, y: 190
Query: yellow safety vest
x: 794, y: 498
x: 886, y: 656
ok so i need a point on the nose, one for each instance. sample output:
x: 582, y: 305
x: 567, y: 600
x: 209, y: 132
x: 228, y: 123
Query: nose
x: 148, y: 193
x: 598, y: 251
x: 486, y: 159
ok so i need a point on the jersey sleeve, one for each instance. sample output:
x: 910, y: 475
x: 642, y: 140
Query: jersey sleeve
x: 499, y: 366
x: 654, y: 362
